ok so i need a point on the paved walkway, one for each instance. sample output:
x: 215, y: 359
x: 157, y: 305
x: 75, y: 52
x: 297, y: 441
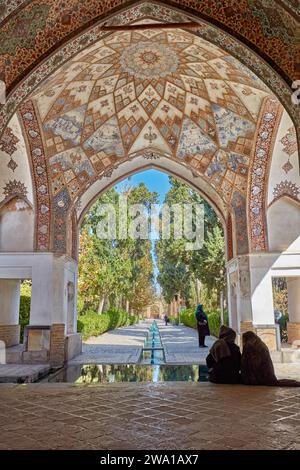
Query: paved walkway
x: 181, y: 344
x: 124, y: 345
x: 121, y: 346
x: 149, y: 416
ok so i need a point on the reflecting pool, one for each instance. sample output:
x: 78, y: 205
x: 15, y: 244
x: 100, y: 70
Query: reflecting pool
x: 110, y: 373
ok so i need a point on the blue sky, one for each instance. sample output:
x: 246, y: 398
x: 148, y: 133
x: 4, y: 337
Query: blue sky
x: 154, y: 180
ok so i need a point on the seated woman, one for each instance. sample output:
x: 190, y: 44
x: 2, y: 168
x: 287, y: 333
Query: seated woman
x: 224, y: 359
x: 257, y: 366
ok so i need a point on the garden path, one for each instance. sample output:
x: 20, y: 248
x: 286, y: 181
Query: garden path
x: 124, y: 345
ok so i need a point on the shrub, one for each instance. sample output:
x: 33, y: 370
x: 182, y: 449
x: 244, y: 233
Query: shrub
x: 214, y: 322
x: 80, y: 304
x: 93, y: 324
x: 133, y: 320
x: 187, y: 317
x: 174, y: 320
x: 24, y: 312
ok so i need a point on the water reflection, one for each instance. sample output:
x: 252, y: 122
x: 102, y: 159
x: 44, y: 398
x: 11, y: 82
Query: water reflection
x: 153, y: 357
x: 91, y: 374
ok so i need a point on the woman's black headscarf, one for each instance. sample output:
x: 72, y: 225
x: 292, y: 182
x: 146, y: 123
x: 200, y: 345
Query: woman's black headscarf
x: 257, y: 366
x: 200, y: 312
x: 220, y: 348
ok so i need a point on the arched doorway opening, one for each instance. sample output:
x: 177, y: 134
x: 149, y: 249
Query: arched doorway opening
x: 163, y: 237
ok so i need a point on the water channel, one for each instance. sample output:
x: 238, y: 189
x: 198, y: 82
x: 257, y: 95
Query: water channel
x: 152, y: 367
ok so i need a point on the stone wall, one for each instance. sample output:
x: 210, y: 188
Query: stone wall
x: 266, y: 333
x: 293, y: 330
x: 10, y: 334
x: 73, y: 346
x: 57, y: 344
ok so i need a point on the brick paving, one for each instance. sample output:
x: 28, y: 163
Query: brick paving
x: 149, y: 416
x: 162, y: 416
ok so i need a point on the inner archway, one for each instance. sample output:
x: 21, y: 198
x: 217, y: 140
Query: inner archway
x: 139, y: 260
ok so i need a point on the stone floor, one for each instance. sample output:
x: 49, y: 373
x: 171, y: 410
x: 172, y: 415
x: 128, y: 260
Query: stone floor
x: 149, y: 416
x: 166, y: 416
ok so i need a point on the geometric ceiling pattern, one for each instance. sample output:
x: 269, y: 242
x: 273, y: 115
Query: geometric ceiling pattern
x: 155, y: 92
x: 270, y: 25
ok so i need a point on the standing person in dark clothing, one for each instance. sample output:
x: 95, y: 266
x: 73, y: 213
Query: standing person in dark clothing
x: 224, y: 359
x: 257, y: 366
x: 202, y: 326
x: 166, y: 318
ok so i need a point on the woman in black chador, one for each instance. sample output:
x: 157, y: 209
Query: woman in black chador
x: 202, y: 326
x: 224, y: 359
x: 257, y: 366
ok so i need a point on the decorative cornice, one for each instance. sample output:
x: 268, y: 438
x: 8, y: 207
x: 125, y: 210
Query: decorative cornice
x: 266, y: 132
x: 28, y: 119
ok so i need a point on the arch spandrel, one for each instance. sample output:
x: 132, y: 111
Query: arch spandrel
x: 15, y: 173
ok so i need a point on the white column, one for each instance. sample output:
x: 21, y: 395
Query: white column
x: 49, y: 301
x: 293, y: 284
x: 244, y: 304
x: 232, y: 304
x: 9, y: 301
x: 232, y: 292
x: 42, y: 299
x: 260, y: 266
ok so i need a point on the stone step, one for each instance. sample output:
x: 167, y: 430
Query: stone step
x: 17, y: 355
x: 286, y: 356
x: 22, y: 373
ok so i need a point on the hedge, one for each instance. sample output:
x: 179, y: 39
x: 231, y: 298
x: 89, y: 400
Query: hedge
x: 93, y: 324
x: 89, y: 324
x: 25, y: 298
x: 187, y: 317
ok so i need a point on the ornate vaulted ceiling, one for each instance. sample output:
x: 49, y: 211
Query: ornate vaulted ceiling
x: 31, y: 28
x: 153, y: 92
x: 37, y: 37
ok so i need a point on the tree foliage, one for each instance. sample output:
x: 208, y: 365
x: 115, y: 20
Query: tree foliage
x: 115, y: 273
x: 118, y: 273
x: 181, y: 269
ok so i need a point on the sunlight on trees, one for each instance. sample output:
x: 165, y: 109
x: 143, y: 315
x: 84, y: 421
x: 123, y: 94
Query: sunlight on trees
x: 119, y: 273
